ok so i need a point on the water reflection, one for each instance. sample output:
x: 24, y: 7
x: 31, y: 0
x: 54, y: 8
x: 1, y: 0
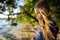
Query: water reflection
x: 5, y: 26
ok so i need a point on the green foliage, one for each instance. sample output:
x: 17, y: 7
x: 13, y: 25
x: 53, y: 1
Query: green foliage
x: 55, y: 7
x: 23, y: 18
x: 29, y: 7
x: 27, y: 11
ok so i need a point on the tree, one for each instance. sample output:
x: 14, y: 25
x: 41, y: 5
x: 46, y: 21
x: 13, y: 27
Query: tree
x: 28, y: 14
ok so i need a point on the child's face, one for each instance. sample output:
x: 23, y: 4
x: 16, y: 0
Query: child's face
x: 38, y: 13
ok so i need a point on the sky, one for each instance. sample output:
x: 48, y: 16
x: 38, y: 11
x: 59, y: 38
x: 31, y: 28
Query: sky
x: 20, y: 2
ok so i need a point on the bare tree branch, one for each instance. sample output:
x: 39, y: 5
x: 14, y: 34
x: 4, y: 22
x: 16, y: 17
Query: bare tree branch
x: 28, y: 14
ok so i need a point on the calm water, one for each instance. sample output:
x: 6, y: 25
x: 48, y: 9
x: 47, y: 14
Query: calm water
x: 5, y: 26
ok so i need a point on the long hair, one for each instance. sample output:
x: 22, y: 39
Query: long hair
x: 44, y: 10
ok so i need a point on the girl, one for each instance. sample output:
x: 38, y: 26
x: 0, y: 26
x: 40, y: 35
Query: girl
x: 48, y: 29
